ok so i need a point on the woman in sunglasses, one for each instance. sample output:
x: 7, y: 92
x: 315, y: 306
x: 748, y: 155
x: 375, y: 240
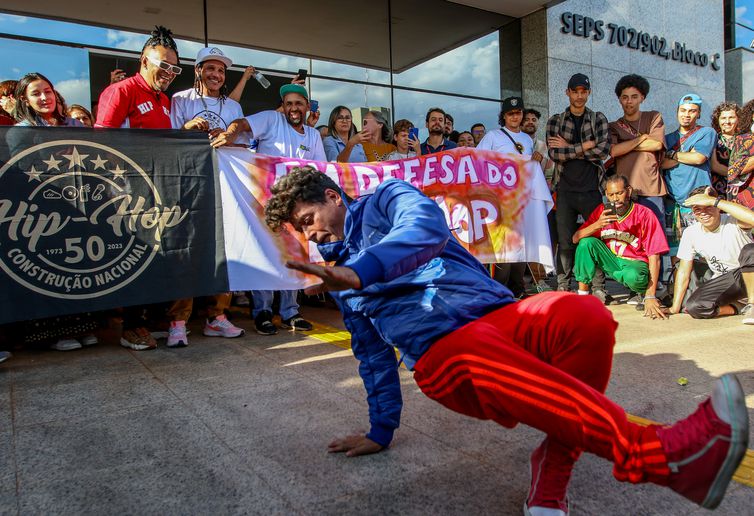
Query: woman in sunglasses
x: 140, y: 101
x: 38, y: 103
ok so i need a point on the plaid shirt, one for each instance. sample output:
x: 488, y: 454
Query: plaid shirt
x: 562, y: 124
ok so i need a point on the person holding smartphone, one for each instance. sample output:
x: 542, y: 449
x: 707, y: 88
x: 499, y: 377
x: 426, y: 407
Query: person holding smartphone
x: 626, y: 241
x: 406, y: 139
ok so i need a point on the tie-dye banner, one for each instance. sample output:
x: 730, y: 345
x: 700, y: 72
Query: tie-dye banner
x: 495, y: 204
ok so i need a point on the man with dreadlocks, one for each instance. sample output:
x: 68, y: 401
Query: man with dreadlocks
x: 140, y: 101
x: 205, y: 107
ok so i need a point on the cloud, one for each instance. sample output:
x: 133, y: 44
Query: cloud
x: 125, y: 40
x: 75, y: 91
x: 16, y: 70
x: 13, y: 18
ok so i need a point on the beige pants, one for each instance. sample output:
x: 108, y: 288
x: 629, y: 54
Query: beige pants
x: 180, y: 310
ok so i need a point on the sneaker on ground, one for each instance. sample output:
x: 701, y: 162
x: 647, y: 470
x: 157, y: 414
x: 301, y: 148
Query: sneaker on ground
x: 602, y: 296
x: 263, y: 323
x: 66, y: 345
x: 542, y: 286
x: 636, y: 299
x: 542, y: 511
x: 297, y: 323
x: 241, y: 299
x: 88, y: 340
x: 5, y: 355
x: 705, y: 449
x: 177, y: 336
x: 748, y: 314
x: 222, y: 327
x: 138, y: 339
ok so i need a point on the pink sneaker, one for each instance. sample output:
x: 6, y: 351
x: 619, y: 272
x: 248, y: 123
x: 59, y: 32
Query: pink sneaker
x: 705, y: 449
x: 222, y: 327
x: 177, y: 335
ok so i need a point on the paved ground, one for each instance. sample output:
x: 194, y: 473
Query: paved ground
x: 241, y: 427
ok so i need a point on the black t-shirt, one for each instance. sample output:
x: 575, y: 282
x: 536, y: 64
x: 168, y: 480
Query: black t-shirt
x: 579, y: 175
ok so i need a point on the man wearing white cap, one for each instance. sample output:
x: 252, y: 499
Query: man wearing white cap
x: 206, y: 106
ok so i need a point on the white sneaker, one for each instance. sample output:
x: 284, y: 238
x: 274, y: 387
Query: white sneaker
x: 177, y: 336
x: 542, y: 286
x: 88, y: 340
x: 542, y: 511
x: 748, y: 313
x: 222, y: 327
x: 66, y: 345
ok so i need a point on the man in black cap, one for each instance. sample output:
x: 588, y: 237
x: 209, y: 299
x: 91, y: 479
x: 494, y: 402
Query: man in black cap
x: 578, y: 140
x: 509, y: 139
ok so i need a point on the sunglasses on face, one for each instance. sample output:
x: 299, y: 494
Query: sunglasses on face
x: 165, y: 67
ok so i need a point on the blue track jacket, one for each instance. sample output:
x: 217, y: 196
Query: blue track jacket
x: 418, y: 284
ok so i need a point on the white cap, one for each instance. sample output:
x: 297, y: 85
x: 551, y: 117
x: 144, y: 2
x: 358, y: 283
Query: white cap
x: 213, y: 54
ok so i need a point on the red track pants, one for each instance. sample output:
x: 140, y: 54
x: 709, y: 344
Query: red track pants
x: 544, y: 362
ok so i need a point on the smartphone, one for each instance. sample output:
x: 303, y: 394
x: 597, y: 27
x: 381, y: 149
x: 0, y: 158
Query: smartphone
x: 610, y: 208
x: 313, y: 106
x: 413, y: 133
x: 302, y: 73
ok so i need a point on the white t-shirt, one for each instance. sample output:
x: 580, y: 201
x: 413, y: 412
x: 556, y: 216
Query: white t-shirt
x: 720, y: 248
x: 278, y: 138
x: 188, y: 104
x: 497, y: 141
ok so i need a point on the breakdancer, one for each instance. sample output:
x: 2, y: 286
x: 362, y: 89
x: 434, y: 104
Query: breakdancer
x: 402, y: 280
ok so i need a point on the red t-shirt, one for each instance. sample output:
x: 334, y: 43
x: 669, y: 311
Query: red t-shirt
x: 133, y: 103
x: 635, y: 236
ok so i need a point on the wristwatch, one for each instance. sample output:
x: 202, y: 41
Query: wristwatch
x: 671, y: 154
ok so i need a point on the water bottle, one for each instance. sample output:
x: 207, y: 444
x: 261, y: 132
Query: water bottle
x: 262, y: 80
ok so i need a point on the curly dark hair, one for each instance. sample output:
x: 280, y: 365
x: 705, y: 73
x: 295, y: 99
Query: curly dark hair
x: 305, y: 184
x: 530, y: 111
x: 725, y: 106
x: 161, y: 37
x: 632, y: 81
x: 747, y: 117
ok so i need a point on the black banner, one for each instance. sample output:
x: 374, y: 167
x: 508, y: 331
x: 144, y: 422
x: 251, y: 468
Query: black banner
x: 98, y: 219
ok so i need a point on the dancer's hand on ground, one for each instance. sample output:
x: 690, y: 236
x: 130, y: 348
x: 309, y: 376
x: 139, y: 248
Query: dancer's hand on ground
x: 354, y: 445
x: 333, y: 278
x: 653, y: 309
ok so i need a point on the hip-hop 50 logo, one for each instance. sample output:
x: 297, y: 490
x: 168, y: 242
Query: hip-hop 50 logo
x: 86, y: 222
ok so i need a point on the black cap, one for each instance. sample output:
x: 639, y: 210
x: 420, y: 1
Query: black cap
x: 579, y: 79
x: 512, y: 103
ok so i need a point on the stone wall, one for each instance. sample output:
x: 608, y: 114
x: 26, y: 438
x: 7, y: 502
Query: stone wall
x: 550, y: 57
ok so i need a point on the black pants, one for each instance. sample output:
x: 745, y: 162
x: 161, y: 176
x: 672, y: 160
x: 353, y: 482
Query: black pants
x: 723, y: 290
x: 512, y: 276
x: 569, y: 205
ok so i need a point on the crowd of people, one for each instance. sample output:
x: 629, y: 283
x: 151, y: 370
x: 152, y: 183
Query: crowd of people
x: 633, y: 201
x: 628, y: 195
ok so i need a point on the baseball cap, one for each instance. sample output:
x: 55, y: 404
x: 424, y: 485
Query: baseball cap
x: 213, y: 54
x: 293, y: 88
x: 579, y: 79
x: 690, y: 98
x: 512, y: 103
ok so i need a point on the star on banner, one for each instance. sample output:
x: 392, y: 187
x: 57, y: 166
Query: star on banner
x: 33, y: 174
x: 118, y: 172
x: 75, y: 159
x: 52, y: 163
x: 99, y: 162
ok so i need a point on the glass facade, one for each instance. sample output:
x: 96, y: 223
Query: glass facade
x: 739, y: 24
x: 463, y: 78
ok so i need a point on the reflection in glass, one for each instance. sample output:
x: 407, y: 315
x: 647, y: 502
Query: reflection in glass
x: 471, y: 69
x: 66, y: 67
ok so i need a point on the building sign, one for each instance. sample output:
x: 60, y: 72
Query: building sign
x: 623, y: 36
